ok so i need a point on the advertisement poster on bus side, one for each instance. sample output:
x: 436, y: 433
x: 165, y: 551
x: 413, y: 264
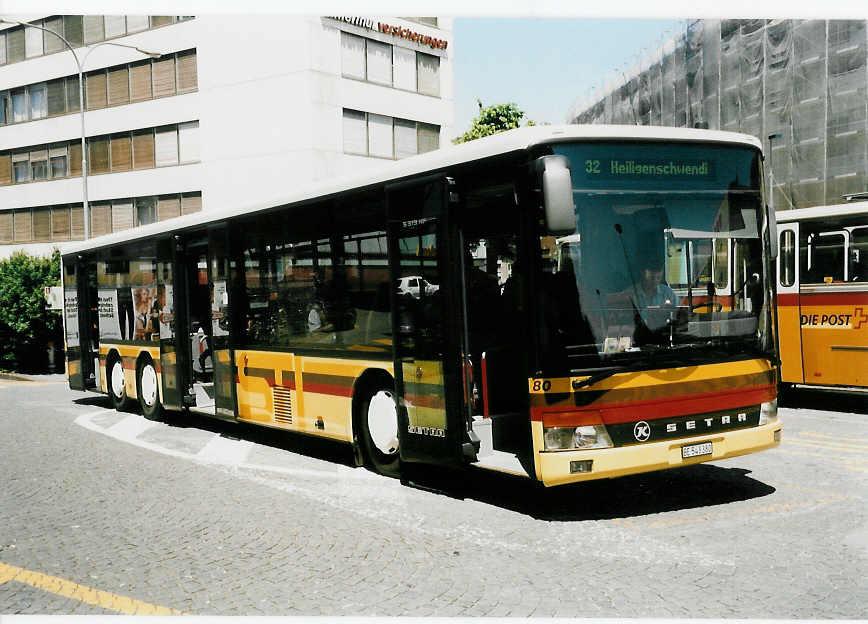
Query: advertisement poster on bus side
x: 165, y: 302
x: 147, y: 312
x: 219, y: 306
x: 107, y: 310
x: 70, y: 312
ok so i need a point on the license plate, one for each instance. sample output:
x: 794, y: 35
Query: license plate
x: 696, y: 450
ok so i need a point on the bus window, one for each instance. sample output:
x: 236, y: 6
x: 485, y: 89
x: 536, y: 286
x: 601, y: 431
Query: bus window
x: 788, y: 258
x: 823, y: 257
x: 859, y: 254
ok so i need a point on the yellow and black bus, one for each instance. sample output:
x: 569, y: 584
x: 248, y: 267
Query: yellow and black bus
x: 426, y: 315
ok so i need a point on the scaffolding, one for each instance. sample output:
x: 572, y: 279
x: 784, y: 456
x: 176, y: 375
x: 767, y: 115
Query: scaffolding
x: 803, y: 81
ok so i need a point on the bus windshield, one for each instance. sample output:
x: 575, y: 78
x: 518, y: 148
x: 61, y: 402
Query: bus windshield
x: 665, y: 261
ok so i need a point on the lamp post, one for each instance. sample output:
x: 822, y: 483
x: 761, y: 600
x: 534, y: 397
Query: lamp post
x: 80, y: 64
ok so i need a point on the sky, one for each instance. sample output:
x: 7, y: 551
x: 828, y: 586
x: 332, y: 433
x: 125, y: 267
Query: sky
x: 545, y: 65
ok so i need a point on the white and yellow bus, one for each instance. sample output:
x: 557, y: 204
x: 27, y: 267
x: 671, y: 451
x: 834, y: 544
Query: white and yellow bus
x: 297, y: 314
x: 822, y: 296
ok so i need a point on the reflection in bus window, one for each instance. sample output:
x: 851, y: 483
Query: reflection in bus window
x: 823, y: 260
x: 788, y: 258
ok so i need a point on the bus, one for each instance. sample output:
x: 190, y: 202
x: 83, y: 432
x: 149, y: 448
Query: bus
x: 822, y: 296
x: 423, y: 315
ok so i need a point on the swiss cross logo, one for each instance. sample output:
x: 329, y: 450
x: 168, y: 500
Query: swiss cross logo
x: 860, y: 317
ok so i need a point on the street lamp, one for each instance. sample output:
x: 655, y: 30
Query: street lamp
x: 80, y: 65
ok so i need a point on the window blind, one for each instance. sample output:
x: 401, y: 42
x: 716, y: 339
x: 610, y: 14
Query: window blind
x: 38, y: 101
x: 429, y: 137
x: 188, y: 79
x: 60, y: 223
x: 72, y: 94
x: 429, y: 74
x: 73, y: 29
x: 143, y: 149
x: 122, y: 155
x: 355, y: 132
x: 352, y: 56
x: 405, y: 138
x: 160, y: 20
x: 76, y: 222
x: 98, y: 160
x: 33, y: 42
x: 380, y: 136
x: 164, y: 76
x: 118, y: 86
x: 6, y: 226
x: 122, y: 215
x: 404, y: 69
x: 5, y: 169
x: 191, y: 202
x: 41, y: 224
x: 94, y: 28
x: 2, y: 48
x: 168, y: 207
x: 23, y: 225
x: 57, y: 97
x: 115, y: 26
x: 379, y: 58
x: 75, y: 159
x: 140, y: 81
x: 136, y: 23
x: 95, y: 90
x: 15, y: 45
x: 53, y: 43
x: 100, y: 218
x: 188, y: 141
x: 166, y: 146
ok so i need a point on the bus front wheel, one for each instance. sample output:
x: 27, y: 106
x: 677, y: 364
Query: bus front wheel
x: 379, y: 431
x: 148, y: 390
x: 116, y: 382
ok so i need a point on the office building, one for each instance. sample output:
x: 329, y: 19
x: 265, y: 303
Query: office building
x: 227, y: 111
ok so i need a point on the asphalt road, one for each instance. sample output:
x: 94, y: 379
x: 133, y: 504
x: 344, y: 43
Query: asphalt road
x: 104, y: 512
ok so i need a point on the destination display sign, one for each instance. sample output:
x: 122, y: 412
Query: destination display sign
x: 625, y: 167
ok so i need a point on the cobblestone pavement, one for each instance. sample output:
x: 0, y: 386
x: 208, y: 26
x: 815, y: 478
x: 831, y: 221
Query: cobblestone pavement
x: 104, y: 512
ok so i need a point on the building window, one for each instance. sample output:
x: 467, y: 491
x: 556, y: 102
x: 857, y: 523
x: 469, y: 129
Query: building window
x: 113, y: 86
x: 386, y: 64
x: 20, y: 167
x: 39, y: 165
x: 146, y: 210
x: 188, y: 142
x: 369, y: 134
x: 58, y: 161
x: 38, y: 102
x: 166, y: 146
x: 33, y: 42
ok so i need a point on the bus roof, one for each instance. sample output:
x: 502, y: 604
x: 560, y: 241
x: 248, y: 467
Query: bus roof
x: 821, y: 212
x: 499, y: 144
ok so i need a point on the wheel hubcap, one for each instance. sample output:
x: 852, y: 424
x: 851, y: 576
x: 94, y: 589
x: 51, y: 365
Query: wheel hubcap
x: 149, y: 385
x: 117, y: 379
x: 383, y: 422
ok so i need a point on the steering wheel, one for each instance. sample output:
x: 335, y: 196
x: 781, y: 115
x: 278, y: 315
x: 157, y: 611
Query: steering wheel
x: 716, y: 306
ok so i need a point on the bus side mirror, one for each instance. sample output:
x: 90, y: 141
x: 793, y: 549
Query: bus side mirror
x: 772, y: 222
x: 557, y: 187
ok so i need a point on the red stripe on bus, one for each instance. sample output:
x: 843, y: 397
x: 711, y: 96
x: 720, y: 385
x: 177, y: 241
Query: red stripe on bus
x: 663, y: 408
x: 341, y: 391
x: 788, y: 299
x: 833, y: 299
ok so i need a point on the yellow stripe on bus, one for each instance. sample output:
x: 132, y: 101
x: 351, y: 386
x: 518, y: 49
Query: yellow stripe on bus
x: 82, y: 593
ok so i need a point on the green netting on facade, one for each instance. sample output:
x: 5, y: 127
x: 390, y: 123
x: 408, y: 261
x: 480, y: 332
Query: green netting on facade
x: 804, y: 80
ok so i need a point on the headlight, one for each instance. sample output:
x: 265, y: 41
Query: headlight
x: 584, y: 437
x: 768, y: 412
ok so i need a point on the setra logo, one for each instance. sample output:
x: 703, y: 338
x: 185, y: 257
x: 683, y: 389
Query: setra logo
x: 642, y: 431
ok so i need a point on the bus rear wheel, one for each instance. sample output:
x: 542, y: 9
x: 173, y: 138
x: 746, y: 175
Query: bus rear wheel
x: 148, y: 390
x: 117, y: 383
x: 379, y: 431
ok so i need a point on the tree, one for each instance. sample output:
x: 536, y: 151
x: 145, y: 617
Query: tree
x: 25, y: 327
x: 493, y: 119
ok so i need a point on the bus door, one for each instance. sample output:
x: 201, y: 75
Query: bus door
x: 203, y: 324
x: 424, y: 250
x: 81, y: 323
x: 788, y: 305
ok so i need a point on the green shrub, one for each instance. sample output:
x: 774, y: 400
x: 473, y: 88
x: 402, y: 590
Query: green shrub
x: 26, y: 327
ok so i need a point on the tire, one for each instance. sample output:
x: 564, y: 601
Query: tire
x: 147, y: 386
x: 116, y: 383
x: 378, y: 420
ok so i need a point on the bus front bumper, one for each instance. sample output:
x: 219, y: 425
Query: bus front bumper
x: 560, y: 467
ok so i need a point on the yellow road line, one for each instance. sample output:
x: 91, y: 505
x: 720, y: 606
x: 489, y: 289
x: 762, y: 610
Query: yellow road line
x: 826, y: 436
x: 96, y: 597
x: 836, y: 446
